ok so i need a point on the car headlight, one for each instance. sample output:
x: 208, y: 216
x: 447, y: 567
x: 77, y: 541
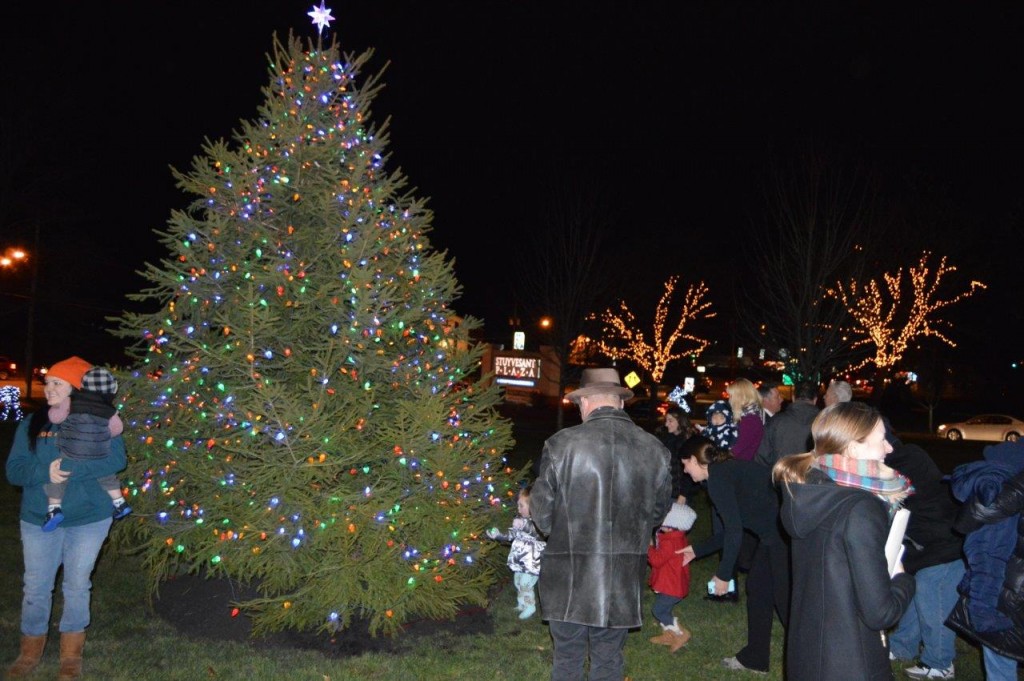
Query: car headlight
x: 942, y: 426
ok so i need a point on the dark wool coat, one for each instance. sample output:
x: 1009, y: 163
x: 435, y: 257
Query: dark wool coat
x: 843, y: 597
x: 788, y: 432
x: 744, y: 499
x: 682, y: 484
x: 603, y: 487
x: 991, y: 606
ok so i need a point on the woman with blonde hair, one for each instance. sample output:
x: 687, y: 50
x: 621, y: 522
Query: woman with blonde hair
x: 748, y: 417
x: 837, y: 504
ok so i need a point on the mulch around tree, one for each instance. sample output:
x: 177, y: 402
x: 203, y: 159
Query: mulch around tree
x: 201, y: 608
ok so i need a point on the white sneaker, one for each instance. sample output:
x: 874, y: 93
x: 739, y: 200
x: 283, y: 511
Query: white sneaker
x: 923, y: 671
x: 735, y: 665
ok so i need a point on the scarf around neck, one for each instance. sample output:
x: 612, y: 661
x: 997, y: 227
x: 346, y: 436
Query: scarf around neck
x: 869, y: 475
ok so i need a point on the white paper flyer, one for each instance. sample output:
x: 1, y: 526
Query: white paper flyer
x: 894, y: 544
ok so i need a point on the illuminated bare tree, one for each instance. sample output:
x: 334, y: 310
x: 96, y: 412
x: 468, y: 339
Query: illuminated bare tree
x: 564, y: 272
x: 623, y: 339
x: 892, y: 313
x: 820, y: 220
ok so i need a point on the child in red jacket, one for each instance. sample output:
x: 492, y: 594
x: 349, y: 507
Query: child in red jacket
x: 670, y: 579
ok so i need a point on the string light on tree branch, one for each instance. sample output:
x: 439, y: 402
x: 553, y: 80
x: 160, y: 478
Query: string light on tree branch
x: 891, y: 314
x: 623, y: 338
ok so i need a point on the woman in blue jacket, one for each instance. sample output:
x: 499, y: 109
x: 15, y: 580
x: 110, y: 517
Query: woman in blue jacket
x: 991, y: 605
x: 34, y: 461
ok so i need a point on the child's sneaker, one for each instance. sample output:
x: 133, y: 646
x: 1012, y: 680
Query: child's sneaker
x: 54, y: 517
x: 121, y: 511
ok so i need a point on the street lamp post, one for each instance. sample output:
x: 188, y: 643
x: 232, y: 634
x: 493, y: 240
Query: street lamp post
x: 12, y: 257
x: 30, y: 325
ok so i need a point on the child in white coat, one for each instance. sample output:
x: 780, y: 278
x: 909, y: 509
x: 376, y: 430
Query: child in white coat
x: 524, y: 555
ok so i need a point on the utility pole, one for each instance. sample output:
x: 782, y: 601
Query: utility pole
x: 30, y: 325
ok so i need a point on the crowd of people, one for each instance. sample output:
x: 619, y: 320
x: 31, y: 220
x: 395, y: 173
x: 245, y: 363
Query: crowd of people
x: 799, y: 495
x: 806, y: 493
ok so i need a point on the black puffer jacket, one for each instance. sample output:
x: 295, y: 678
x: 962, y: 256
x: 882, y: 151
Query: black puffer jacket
x: 843, y: 597
x: 991, y: 605
x: 930, y: 539
x: 603, y: 487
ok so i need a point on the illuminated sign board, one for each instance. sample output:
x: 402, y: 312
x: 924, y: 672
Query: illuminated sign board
x: 517, y: 370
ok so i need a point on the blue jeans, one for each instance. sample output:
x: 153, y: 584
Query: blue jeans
x: 75, y: 547
x: 663, y: 606
x: 923, y: 624
x: 570, y: 643
x: 997, y: 667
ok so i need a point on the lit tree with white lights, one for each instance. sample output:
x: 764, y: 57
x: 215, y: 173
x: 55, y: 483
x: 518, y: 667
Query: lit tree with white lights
x: 299, y: 417
x: 624, y: 339
x: 898, y: 310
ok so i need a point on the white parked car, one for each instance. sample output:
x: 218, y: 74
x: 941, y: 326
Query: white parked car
x: 995, y: 427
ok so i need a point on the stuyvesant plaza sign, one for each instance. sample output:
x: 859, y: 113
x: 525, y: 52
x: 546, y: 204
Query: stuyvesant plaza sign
x: 517, y: 370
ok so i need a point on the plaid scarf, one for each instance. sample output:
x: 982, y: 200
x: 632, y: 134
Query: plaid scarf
x: 869, y: 475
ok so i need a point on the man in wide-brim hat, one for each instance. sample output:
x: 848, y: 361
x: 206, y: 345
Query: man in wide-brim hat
x: 600, y: 382
x: 602, y: 488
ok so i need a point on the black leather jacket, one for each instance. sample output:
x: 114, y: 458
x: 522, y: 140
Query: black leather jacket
x: 603, y: 487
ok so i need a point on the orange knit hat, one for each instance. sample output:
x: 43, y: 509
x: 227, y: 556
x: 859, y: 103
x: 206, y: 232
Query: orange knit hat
x: 71, y: 370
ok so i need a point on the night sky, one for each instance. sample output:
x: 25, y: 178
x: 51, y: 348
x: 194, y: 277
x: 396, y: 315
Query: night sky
x: 671, y: 113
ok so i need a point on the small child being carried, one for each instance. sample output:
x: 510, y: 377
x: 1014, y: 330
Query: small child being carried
x: 670, y: 579
x: 720, y: 427
x: 524, y: 555
x: 88, y: 420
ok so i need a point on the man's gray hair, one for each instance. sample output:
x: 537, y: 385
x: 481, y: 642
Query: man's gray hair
x: 842, y: 390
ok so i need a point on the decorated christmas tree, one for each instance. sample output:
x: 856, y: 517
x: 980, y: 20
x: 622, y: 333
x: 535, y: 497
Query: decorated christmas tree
x: 306, y: 413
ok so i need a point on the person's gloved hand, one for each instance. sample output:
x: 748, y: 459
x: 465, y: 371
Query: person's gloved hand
x: 492, y: 532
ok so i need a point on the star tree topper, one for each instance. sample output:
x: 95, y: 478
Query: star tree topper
x: 321, y: 16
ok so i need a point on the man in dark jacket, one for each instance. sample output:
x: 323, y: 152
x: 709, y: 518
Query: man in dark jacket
x: 932, y: 553
x: 790, y: 432
x: 603, y: 487
x: 991, y: 606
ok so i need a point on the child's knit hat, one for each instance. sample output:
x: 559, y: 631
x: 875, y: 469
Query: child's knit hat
x: 720, y: 406
x: 99, y: 380
x: 680, y: 517
x: 71, y: 370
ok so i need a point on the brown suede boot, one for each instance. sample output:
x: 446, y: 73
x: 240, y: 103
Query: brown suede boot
x: 665, y: 638
x: 679, y: 639
x: 71, y: 645
x: 28, y: 658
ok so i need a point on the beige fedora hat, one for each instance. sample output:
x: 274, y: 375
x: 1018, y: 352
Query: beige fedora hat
x: 600, y: 382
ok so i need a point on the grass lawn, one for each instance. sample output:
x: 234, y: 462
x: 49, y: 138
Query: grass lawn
x: 128, y: 641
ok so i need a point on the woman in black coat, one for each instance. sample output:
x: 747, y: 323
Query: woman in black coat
x: 837, y: 505
x: 674, y: 433
x: 744, y: 498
